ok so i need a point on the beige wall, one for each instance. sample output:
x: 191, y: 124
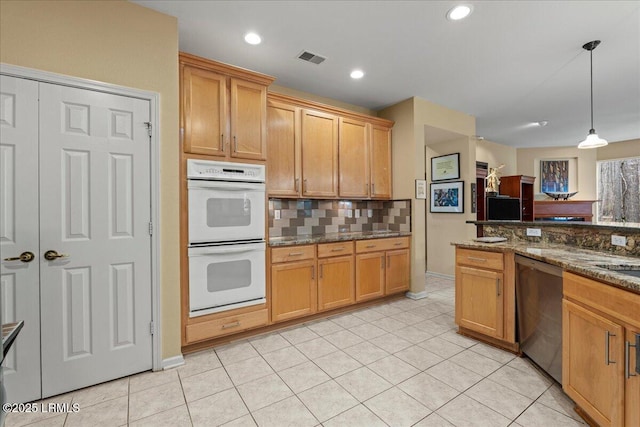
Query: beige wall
x: 619, y: 150
x: 582, y: 168
x: 409, y: 163
x: 497, y: 154
x: 120, y: 43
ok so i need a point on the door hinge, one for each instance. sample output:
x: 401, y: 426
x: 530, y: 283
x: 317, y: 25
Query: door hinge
x: 151, y: 229
x: 149, y: 127
x: 152, y: 327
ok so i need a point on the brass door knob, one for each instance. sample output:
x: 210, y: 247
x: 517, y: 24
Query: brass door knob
x: 24, y: 257
x: 53, y: 255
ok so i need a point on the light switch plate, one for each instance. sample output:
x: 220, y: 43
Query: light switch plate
x: 618, y: 240
x: 357, y: 211
x: 276, y: 214
x: 536, y: 232
x: 349, y: 213
x: 370, y: 213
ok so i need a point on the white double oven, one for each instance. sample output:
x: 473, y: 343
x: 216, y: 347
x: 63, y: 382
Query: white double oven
x: 227, y: 208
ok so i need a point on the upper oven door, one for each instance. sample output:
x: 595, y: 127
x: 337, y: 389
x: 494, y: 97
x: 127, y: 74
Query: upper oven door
x: 225, y: 211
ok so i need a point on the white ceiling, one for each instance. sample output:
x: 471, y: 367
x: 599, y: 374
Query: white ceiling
x: 509, y: 64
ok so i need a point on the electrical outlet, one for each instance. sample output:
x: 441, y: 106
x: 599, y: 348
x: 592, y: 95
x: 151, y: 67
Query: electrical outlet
x: 349, y: 213
x: 536, y: 232
x: 276, y: 214
x: 370, y: 213
x: 357, y: 211
x: 618, y: 240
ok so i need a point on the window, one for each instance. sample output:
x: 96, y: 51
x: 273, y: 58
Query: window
x: 619, y: 190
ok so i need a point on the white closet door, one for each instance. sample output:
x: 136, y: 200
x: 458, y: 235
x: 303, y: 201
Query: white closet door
x: 19, y: 233
x: 95, y: 211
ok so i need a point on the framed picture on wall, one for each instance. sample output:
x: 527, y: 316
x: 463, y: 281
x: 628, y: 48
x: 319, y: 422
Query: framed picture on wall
x: 445, y: 167
x: 447, y: 197
x: 554, y: 176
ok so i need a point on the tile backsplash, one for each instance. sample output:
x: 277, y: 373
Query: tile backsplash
x: 304, y: 217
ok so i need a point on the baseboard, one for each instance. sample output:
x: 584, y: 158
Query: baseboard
x: 444, y: 276
x: 416, y: 295
x: 172, y: 362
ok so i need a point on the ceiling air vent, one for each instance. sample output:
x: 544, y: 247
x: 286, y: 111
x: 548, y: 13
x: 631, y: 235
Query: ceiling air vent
x: 311, y: 57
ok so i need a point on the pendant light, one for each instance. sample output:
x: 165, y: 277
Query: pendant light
x: 592, y: 140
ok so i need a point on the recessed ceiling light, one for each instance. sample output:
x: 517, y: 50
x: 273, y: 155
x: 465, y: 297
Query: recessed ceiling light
x: 542, y: 123
x: 357, y: 74
x: 459, y: 12
x: 252, y: 38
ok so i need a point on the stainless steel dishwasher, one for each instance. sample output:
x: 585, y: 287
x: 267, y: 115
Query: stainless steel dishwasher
x: 539, y: 313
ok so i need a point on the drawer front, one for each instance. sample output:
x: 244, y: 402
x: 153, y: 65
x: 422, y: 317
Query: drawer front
x: 292, y: 253
x: 482, y: 259
x: 375, y: 245
x: 226, y: 325
x: 335, y: 249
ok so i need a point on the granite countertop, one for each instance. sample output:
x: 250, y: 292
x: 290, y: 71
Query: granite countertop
x: 309, y: 239
x: 571, y: 258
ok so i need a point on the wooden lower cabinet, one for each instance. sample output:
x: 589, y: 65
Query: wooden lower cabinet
x: 599, y: 329
x: 293, y: 290
x: 336, y: 286
x: 485, y: 296
x: 370, y: 276
x: 398, y: 272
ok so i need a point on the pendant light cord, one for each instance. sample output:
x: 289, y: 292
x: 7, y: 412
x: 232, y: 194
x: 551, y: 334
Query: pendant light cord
x: 591, y: 55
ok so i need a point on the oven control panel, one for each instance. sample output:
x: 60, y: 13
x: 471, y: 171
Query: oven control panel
x: 225, y: 171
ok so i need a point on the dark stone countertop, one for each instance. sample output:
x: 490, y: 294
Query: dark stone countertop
x: 582, y: 261
x: 309, y: 239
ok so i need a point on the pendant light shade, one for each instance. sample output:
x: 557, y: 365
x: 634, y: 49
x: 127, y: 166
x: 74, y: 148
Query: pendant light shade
x: 592, y: 140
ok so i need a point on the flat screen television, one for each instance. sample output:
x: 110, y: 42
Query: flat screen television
x: 503, y: 209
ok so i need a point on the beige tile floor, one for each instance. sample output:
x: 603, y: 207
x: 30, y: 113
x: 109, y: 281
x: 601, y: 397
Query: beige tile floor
x: 397, y: 364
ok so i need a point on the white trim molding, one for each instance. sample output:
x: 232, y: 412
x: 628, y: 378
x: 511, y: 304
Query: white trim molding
x: 444, y: 276
x: 173, y: 362
x: 416, y: 295
x: 154, y: 103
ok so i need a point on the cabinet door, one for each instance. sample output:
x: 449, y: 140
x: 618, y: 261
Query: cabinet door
x: 480, y: 301
x: 354, y: 158
x: 592, y: 363
x: 293, y: 290
x: 370, y: 270
x: 336, y: 282
x: 380, y: 162
x: 632, y: 383
x: 283, y: 149
x: 248, y: 120
x: 204, y: 107
x: 397, y: 271
x: 319, y: 154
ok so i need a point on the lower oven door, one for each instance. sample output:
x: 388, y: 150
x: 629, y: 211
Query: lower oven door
x: 225, y: 211
x: 226, y: 277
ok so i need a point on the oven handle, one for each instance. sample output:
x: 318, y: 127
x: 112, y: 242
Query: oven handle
x: 215, y: 250
x: 225, y: 186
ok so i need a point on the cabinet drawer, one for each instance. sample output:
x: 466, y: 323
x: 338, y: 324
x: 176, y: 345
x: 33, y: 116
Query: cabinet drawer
x: 226, y: 325
x: 292, y: 253
x: 492, y: 260
x: 375, y: 245
x: 335, y: 249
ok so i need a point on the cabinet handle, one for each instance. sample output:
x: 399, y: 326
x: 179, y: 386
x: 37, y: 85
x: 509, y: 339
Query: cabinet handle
x: 498, y: 286
x: 627, y: 359
x: 304, y: 185
x: 313, y: 272
x: 637, y: 353
x: 235, y: 144
x: 398, y: 244
x: 607, y: 337
x: 297, y: 184
x: 321, y: 270
x: 472, y: 258
x: 366, y: 188
x: 381, y: 264
x: 388, y: 261
x: 337, y: 249
x: 373, y: 188
x: 222, y: 142
x: 296, y: 253
x: 370, y: 246
x: 231, y: 325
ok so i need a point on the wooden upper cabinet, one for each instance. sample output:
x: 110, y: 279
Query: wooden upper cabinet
x: 354, y: 158
x: 319, y: 154
x: 223, y: 109
x: 380, y: 162
x: 204, y: 107
x: 283, y: 149
x: 248, y: 120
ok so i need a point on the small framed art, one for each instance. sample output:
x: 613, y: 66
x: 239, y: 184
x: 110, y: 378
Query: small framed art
x: 447, y: 197
x: 445, y: 167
